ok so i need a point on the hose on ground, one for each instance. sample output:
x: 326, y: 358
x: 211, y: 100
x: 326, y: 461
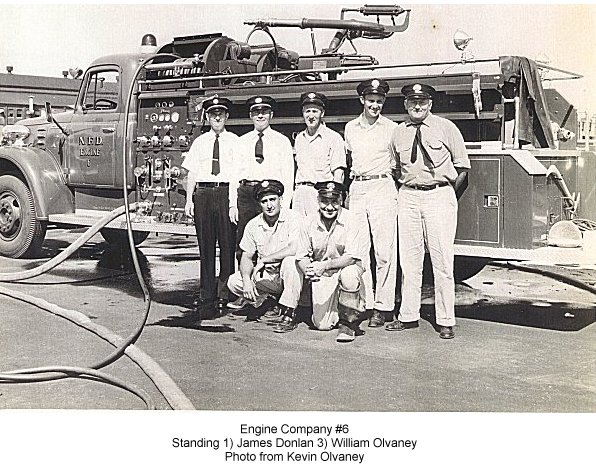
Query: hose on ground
x: 166, y: 386
x: 57, y: 372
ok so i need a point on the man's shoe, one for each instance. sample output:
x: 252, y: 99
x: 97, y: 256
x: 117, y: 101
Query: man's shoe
x: 345, y: 334
x: 200, y: 303
x: 287, y: 322
x: 237, y: 304
x: 446, y: 332
x: 273, y: 315
x: 377, y: 319
x: 398, y: 325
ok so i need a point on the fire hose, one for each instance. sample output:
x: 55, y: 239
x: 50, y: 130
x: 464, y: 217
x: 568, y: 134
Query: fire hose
x: 164, y: 383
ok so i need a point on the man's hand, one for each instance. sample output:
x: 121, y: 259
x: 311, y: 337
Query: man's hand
x: 189, y: 208
x: 233, y: 215
x: 249, y: 290
x: 315, y: 270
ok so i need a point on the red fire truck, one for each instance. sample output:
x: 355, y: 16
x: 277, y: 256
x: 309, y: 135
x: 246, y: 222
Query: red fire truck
x: 136, y: 114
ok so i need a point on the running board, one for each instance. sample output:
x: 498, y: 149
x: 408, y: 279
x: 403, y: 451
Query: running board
x: 86, y: 218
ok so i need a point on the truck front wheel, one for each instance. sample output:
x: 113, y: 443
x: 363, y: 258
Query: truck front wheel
x: 21, y: 232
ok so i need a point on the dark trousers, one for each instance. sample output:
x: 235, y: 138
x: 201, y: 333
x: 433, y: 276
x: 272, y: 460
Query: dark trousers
x: 248, y: 208
x: 212, y: 224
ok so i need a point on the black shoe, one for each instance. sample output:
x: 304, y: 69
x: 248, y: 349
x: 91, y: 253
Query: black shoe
x: 446, y: 332
x: 272, y: 316
x: 199, y: 303
x: 345, y: 334
x: 288, y: 320
x: 398, y: 325
x: 377, y: 319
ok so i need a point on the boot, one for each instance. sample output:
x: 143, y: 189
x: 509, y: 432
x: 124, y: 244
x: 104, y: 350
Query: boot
x: 288, y: 320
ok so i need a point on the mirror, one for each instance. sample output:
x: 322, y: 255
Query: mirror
x: 49, y: 117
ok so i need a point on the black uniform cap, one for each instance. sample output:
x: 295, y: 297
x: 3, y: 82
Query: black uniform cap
x: 418, y: 90
x: 330, y: 188
x: 268, y: 187
x: 318, y: 99
x: 216, y: 103
x: 380, y: 87
x: 260, y: 102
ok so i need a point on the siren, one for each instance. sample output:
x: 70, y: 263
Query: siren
x: 148, y: 44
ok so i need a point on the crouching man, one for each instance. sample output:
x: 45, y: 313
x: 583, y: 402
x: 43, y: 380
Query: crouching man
x: 267, y: 263
x: 329, y: 254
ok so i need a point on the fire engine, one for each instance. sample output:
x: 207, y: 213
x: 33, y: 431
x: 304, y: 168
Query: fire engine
x: 136, y: 114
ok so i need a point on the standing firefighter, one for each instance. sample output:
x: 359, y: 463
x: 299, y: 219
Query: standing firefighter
x: 432, y: 166
x: 263, y: 154
x: 330, y: 252
x: 373, y: 195
x: 210, y: 165
x: 320, y: 154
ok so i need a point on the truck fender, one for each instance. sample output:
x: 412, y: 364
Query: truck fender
x: 43, y: 176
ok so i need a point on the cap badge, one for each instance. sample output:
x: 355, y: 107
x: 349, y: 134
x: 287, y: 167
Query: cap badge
x: 258, y: 100
x: 375, y: 84
x: 265, y: 184
x: 215, y: 101
x: 417, y: 88
x: 330, y: 186
x: 312, y: 96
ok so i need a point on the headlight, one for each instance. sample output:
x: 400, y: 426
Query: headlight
x: 15, y: 134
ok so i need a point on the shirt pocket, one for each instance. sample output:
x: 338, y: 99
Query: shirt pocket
x: 437, y: 151
x: 405, y: 152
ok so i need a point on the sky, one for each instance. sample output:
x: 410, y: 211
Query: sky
x: 46, y: 39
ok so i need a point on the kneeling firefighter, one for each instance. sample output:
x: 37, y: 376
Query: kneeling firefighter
x: 330, y: 251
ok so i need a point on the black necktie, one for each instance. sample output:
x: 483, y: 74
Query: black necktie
x: 215, y: 161
x: 259, y: 149
x: 416, y: 144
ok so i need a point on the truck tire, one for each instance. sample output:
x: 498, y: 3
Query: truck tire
x: 21, y: 232
x: 116, y: 236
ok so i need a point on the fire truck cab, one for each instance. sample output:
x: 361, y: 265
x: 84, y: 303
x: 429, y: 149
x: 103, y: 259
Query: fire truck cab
x: 136, y: 115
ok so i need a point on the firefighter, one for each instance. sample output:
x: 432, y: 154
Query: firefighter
x: 330, y: 252
x: 320, y: 154
x: 271, y: 237
x: 262, y: 154
x: 433, y: 165
x: 210, y: 164
x: 373, y: 195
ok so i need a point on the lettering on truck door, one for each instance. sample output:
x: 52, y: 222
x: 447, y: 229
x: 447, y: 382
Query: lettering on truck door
x: 92, y: 144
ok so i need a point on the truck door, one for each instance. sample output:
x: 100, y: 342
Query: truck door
x: 95, y: 134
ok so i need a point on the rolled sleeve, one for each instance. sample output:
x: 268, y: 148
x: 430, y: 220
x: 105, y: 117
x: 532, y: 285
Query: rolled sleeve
x: 338, y: 153
x: 355, y: 242
x: 248, y: 244
x: 457, y: 147
x: 304, y: 250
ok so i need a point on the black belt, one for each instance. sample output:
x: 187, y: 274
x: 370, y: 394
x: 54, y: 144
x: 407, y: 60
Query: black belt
x: 426, y: 187
x: 305, y: 183
x: 369, y: 177
x: 212, y: 184
x: 249, y: 182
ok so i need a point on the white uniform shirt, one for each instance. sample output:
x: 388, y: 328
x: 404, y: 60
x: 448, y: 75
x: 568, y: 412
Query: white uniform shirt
x: 370, y: 145
x: 278, y: 163
x: 346, y: 237
x: 445, y: 147
x: 265, y: 240
x: 319, y: 155
x: 199, y: 157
